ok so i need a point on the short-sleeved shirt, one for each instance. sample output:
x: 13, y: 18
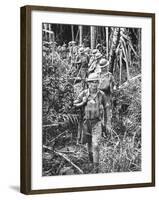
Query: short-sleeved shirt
x: 83, y: 60
x: 92, y: 59
x: 95, y: 106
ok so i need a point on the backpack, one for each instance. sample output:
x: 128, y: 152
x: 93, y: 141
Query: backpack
x: 106, y: 82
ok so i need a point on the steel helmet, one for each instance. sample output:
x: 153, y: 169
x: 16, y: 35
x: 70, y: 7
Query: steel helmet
x: 94, y: 51
x: 93, y: 77
x: 87, y: 49
x: 81, y: 50
x: 103, y: 62
x: 98, y: 55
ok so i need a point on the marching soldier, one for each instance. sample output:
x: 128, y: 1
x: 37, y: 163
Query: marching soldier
x: 92, y: 58
x: 95, y: 65
x: 82, y: 60
x: 93, y: 102
x: 72, y: 51
x: 107, y: 82
x: 107, y: 85
x: 64, y: 51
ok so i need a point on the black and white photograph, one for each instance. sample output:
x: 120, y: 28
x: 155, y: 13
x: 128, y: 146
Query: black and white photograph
x: 88, y: 99
x: 91, y: 99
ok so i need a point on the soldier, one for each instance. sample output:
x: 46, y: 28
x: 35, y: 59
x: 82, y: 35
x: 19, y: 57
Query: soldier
x: 95, y: 65
x: 70, y: 52
x: 100, y: 48
x: 86, y: 42
x: 107, y: 82
x: 92, y: 58
x: 73, y: 51
x: 107, y: 85
x: 59, y: 50
x: 87, y: 51
x: 82, y: 60
x: 64, y: 51
x: 93, y: 102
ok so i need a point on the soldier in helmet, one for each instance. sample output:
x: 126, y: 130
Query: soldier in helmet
x: 95, y: 65
x: 92, y: 58
x: 93, y: 102
x: 87, y: 51
x: 72, y: 51
x: 59, y: 50
x: 107, y: 85
x: 64, y: 51
x: 82, y: 61
x: 107, y: 82
x: 99, y: 47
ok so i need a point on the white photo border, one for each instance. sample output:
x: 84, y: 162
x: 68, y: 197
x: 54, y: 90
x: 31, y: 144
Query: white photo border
x: 38, y: 182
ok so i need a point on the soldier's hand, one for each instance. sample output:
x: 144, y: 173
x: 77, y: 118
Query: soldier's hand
x: 104, y: 131
x: 114, y: 88
x: 84, y: 99
x: 108, y: 129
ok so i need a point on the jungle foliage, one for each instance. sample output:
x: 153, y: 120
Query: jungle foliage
x: 121, y: 146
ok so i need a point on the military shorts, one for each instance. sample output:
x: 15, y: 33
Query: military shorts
x: 92, y: 131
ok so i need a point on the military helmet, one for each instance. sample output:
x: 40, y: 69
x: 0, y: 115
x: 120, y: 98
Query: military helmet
x: 98, y: 55
x: 98, y: 45
x: 73, y: 42
x: 81, y: 50
x: 94, y: 51
x: 93, y: 77
x: 87, y: 49
x: 103, y: 62
x: 64, y: 45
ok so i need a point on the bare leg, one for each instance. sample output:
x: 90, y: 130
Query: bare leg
x: 96, y: 135
x: 90, y: 152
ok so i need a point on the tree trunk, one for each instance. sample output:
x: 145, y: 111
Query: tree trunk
x: 77, y: 35
x: 53, y: 46
x: 92, y: 30
x: 127, y: 63
x: 80, y: 34
x: 114, y: 44
x: 45, y: 28
x: 125, y: 49
x: 120, y: 65
x: 50, y: 35
x: 72, y: 33
x: 107, y: 41
x: 139, y: 45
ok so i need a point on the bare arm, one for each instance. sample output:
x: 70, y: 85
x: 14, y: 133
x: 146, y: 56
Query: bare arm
x: 92, y: 67
x: 81, y: 100
x: 104, y: 102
